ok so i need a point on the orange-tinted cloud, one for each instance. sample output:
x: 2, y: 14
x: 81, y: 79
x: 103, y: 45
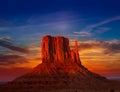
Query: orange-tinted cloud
x: 12, y: 59
x: 108, y: 47
x: 101, y: 57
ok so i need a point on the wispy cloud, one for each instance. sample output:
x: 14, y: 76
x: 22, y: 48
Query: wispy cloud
x: 6, y: 42
x: 6, y: 38
x: 57, y: 23
x: 90, y: 28
x: 6, y: 23
x: 12, y: 59
x: 83, y: 33
x: 103, y: 22
x: 53, y: 17
x: 102, y: 29
x: 109, y: 47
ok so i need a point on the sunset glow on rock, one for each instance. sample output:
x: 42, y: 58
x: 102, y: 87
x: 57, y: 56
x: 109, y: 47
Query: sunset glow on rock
x: 60, y: 66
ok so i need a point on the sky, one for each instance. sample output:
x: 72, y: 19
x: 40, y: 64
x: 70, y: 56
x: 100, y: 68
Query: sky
x: 95, y: 24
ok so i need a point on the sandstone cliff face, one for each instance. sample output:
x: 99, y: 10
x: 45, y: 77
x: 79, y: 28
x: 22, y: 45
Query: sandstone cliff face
x: 57, y: 50
x: 58, y: 57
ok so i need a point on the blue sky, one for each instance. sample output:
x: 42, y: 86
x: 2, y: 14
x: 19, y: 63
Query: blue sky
x: 23, y: 23
x: 22, y: 17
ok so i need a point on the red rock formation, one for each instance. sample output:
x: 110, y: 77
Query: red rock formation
x: 61, y: 68
x: 57, y: 49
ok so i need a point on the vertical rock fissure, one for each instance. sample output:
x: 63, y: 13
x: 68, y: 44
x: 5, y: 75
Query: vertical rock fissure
x: 57, y: 49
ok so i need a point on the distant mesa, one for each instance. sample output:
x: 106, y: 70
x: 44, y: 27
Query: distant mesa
x: 61, y: 69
